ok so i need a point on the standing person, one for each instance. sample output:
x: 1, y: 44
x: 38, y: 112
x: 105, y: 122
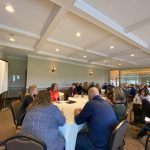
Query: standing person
x: 42, y: 121
x: 54, y: 92
x: 132, y: 92
x: 72, y: 90
x: 100, y: 119
x: 29, y: 97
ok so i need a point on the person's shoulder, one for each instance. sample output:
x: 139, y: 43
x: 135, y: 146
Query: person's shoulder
x: 28, y: 97
x: 52, y: 106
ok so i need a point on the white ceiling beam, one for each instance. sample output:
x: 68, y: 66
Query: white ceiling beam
x: 64, y: 44
x: 123, y: 52
x: 123, y: 60
x: 111, y: 57
x: 55, y: 16
x: 68, y: 4
x: 97, y: 53
x: 137, y: 25
x: 61, y: 56
x: 16, y: 46
x: 18, y: 31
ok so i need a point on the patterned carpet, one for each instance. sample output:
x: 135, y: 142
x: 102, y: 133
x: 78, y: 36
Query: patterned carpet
x: 7, y: 129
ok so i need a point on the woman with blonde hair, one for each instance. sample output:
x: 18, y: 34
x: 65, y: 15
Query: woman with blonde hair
x: 118, y: 103
x: 42, y: 121
x: 29, y: 97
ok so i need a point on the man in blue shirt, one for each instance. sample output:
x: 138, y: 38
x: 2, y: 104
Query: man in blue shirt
x: 100, y: 119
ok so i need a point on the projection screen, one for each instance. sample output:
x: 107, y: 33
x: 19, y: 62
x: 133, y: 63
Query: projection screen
x: 3, y: 76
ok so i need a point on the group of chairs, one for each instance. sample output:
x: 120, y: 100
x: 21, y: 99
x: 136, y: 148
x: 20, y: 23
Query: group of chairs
x: 29, y: 143
x: 20, y: 142
x: 143, y: 111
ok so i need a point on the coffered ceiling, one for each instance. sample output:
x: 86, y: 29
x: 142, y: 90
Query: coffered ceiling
x: 111, y: 34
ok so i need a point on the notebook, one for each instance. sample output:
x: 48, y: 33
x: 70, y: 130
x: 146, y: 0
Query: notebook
x: 71, y: 102
x: 147, y: 119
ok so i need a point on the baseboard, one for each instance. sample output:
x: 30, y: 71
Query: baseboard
x: 4, y: 109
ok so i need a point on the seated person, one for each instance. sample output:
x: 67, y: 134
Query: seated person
x: 54, y: 92
x: 144, y: 130
x: 118, y: 104
x: 32, y: 91
x: 100, y: 119
x: 145, y: 108
x: 72, y: 90
x: 42, y: 121
x: 98, y: 87
x: 137, y: 108
x: 145, y: 94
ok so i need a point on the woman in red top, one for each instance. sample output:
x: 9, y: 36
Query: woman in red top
x: 54, y: 92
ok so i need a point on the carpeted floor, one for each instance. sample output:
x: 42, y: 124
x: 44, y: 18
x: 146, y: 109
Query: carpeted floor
x: 7, y: 129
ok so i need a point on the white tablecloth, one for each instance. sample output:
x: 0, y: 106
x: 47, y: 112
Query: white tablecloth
x: 71, y: 129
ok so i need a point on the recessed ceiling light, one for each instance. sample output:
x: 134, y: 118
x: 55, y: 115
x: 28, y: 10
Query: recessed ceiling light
x: 12, y: 39
x: 57, y: 49
x: 111, y: 47
x: 132, y: 55
x: 105, y: 60
x: 78, y: 34
x: 84, y: 56
x: 119, y: 64
x: 9, y: 8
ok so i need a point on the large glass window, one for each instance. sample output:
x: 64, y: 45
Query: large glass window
x: 139, y: 76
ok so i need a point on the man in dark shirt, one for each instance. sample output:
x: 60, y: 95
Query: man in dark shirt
x: 72, y: 90
x: 100, y: 119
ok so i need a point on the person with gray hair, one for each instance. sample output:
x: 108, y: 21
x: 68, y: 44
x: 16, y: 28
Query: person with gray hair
x: 100, y: 119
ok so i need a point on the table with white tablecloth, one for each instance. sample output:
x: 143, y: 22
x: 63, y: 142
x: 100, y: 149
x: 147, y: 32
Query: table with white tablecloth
x: 71, y: 129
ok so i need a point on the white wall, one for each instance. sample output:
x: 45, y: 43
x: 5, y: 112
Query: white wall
x: 39, y: 73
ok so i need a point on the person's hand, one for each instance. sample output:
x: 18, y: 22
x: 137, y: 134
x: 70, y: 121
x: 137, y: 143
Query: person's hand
x: 77, y: 111
x: 56, y: 101
x: 62, y: 111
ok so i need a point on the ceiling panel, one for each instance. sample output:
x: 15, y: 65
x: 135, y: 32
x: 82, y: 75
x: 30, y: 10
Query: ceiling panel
x: 51, y: 48
x: 119, y: 46
x: 137, y: 55
x: 70, y: 24
x: 143, y: 33
x: 19, y: 39
x: 29, y: 15
x: 144, y: 61
x: 123, y: 12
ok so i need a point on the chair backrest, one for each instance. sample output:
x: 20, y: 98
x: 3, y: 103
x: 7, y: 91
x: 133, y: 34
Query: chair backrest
x: 24, y: 143
x: 146, y: 107
x: 15, y: 106
x: 117, y: 137
x: 125, y: 116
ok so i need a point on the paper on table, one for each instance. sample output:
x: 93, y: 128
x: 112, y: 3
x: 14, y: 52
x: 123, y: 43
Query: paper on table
x: 147, y: 119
